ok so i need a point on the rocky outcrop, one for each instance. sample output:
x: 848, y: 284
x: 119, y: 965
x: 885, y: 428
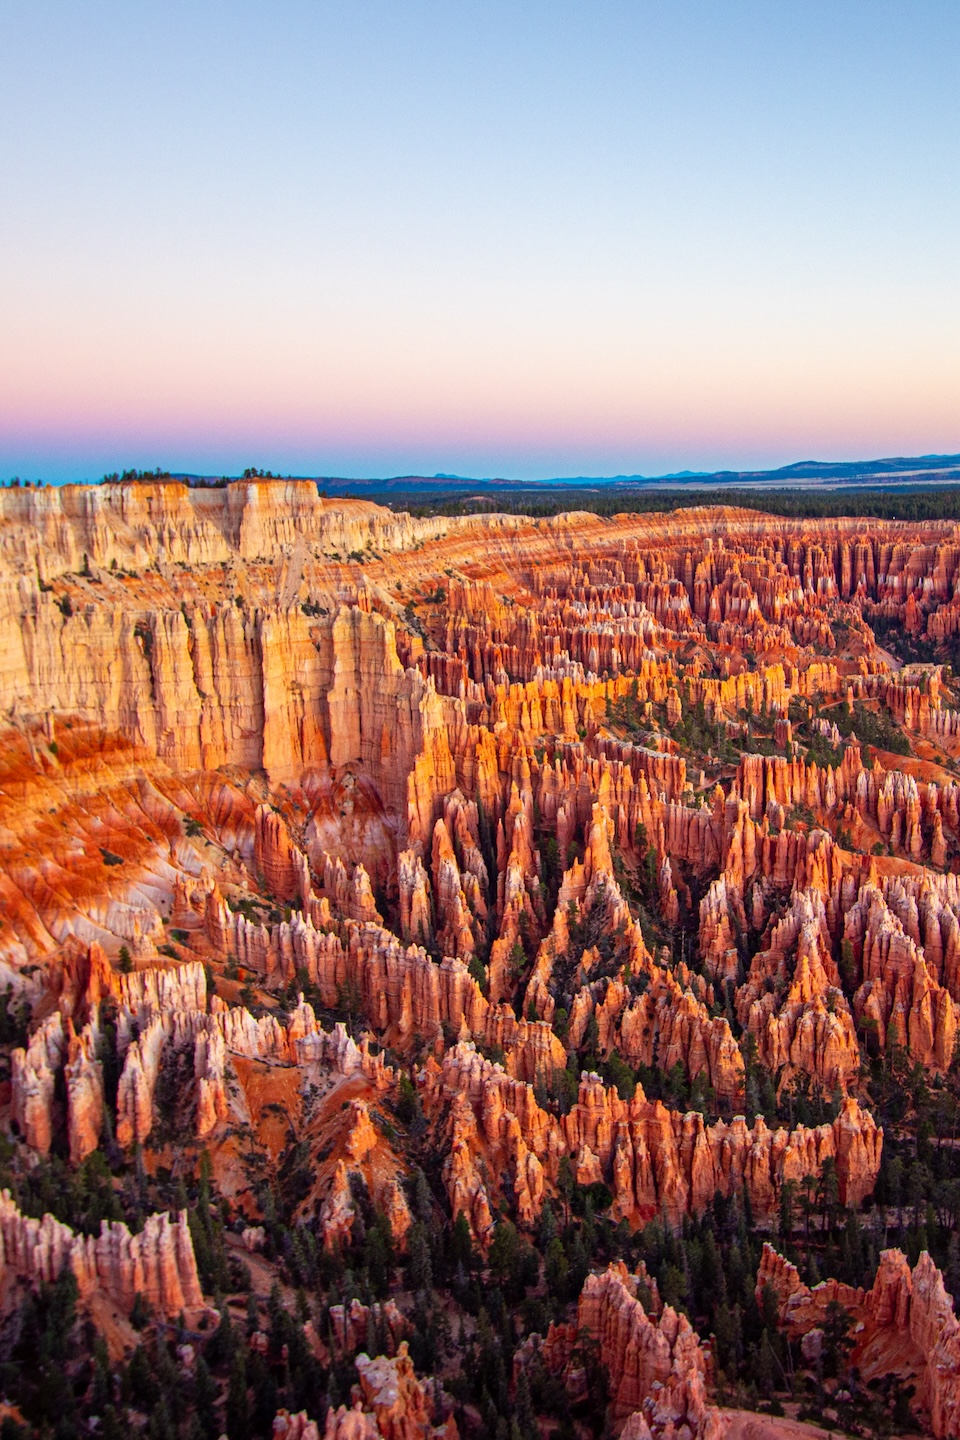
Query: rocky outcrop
x: 906, y: 1317
x: 159, y: 1012
x: 654, y: 1160
x: 665, y: 1026
x: 157, y: 1264
x: 394, y: 1405
x: 294, y: 1427
x: 401, y: 990
x: 658, y: 1371
x: 338, y: 1212
x: 353, y: 1326
x: 282, y: 865
x: 138, y: 1079
x: 900, y: 1000
x: 348, y: 895
x: 83, y: 1073
x: 33, y: 1076
x: 399, y: 1402
x: 416, y: 918
x: 355, y: 1154
x: 57, y: 1043
x: 210, y: 1071
x: 809, y: 1029
x: 460, y: 920
x: 205, y: 688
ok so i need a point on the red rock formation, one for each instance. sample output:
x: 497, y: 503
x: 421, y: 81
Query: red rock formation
x: 168, y: 1008
x: 809, y: 1029
x: 271, y: 685
x: 654, y: 1160
x: 444, y: 763
x: 399, y: 1402
x: 658, y: 1370
x: 283, y: 867
x: 33, y: 1075
x: 358, y: 1153
x: 905, y: 1312
x: 416, y: 921
x: 352, y: 1325
x: 338, y: 1213
x: 158, y: 1263
x: 210, y: 1070
x: 83, y: 1073
x: 137, y: 1083
x: 899, y: 997
x: 459, y: 924
x: 296, y: 1427
x: 664, y: 1026
x: 349, y: 895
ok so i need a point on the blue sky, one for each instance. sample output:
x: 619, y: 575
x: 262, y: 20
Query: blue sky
x: 521, y: 239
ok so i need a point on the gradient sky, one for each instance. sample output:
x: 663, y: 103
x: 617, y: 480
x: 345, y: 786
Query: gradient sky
x: 520, y: 238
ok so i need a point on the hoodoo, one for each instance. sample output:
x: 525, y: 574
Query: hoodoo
x: 442, y: 956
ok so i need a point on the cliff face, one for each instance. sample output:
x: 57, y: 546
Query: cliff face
x: 905, y: 1319
x: 210, y: 687
x: 143, y: 525
x: 157, y: 1264
x: 657, y: 1370
x: 203, y: 681
x: 654, y: 1160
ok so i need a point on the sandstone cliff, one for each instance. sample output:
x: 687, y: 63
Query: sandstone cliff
x: 654, y: 1160
x: 157, y: 1264
x: 658, y: 1371
x: 905, y: 1319
x: 486, y: 791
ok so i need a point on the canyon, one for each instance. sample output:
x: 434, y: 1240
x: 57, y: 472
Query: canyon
x: 380, y: 892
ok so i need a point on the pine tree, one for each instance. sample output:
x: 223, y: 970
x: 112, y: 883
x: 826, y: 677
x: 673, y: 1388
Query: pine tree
x: 422, y: 1199
x: 204, y: 1398
x: 419, y: 1263
x: 238, y: 1401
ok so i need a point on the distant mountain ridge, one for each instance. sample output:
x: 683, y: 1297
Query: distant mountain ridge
x: 892, y: 472
x: 887, y: 471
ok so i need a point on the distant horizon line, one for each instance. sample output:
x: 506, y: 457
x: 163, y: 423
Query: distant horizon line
x: 888, y: 469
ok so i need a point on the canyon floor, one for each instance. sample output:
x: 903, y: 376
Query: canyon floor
x: 475, y: 976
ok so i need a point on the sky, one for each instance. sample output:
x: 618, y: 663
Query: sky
x: 521, y: 239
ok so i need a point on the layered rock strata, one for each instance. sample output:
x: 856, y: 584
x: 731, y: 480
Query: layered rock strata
x: 658, y: 1370
x: 905, y: 1320
x: 655, y: 1161
x: 157, y: 1264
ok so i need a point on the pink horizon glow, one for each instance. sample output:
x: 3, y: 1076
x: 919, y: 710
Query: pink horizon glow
x: 369, y: 240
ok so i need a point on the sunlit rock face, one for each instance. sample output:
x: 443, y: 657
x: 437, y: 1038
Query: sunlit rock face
x: 551, y: 859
